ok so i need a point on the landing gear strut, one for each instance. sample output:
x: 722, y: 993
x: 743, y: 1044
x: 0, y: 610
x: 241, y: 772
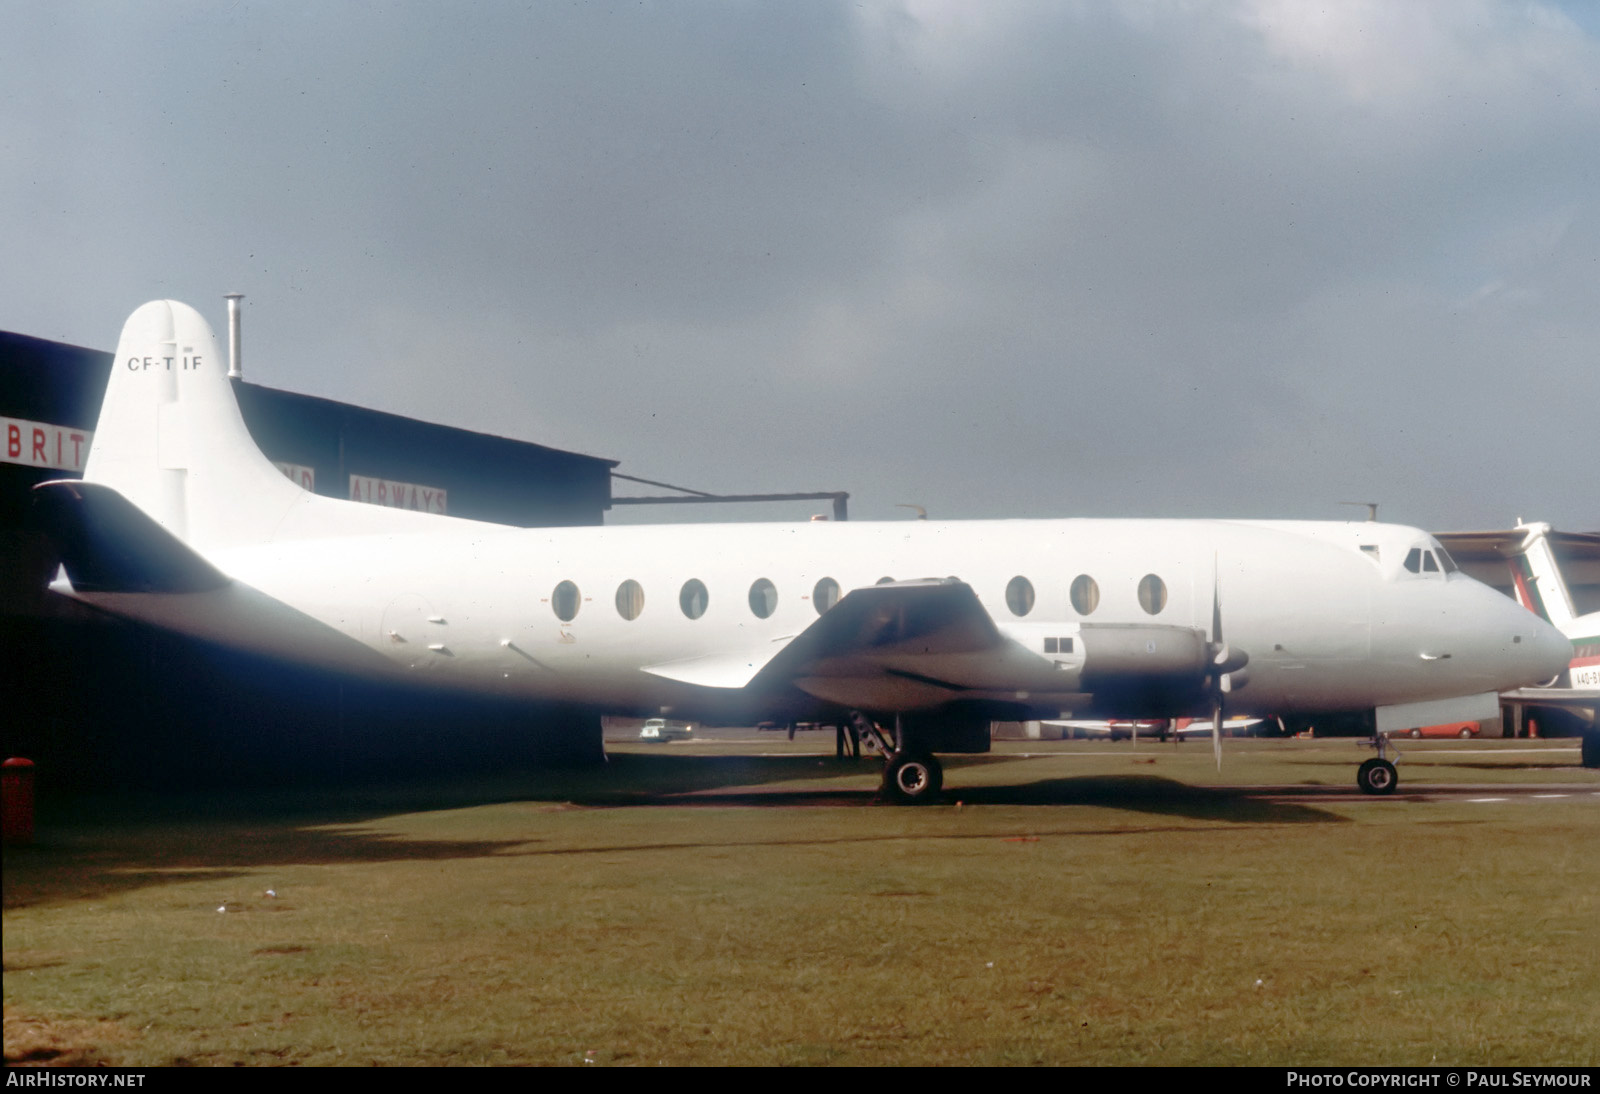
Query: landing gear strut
x: 911, y: 776
x: 1377, y: 775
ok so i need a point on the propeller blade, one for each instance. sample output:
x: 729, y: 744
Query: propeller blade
x: 1216, y: 603
x: 1221, y: 656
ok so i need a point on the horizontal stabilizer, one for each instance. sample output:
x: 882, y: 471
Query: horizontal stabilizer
x: 122, y: 562
x: 108, y: 545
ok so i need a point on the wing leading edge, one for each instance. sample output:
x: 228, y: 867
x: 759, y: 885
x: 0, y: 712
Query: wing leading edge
x: 919, y: 645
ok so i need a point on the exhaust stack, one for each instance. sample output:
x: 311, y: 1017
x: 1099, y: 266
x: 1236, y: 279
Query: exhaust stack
x: 235, y: 363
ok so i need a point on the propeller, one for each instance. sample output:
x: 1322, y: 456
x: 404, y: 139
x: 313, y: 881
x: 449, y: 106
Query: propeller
x: 1225, y: 672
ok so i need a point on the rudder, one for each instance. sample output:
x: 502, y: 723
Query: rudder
x: 171, y: 440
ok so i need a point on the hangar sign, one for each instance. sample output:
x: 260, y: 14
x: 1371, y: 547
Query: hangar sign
x: 397, y: 495
x: 303, y: 477
x: 41, y: 444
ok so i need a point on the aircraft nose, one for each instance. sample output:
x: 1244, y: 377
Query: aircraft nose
x: 1552, y: 650
x: 1524, y: 649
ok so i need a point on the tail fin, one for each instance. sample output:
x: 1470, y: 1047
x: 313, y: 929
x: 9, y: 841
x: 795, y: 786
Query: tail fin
x: 1540, y: 587
x: 170, y: 438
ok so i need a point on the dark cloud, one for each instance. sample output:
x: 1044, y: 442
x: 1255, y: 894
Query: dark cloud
x: 1232, y: 258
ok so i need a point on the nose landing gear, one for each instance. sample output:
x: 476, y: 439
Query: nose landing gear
x: 1377, y: 775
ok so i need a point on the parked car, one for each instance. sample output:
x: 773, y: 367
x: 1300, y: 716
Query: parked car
x: 662, y: 731
x: 1447, y: 729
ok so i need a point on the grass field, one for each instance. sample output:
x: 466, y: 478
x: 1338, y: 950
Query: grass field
x: 751, y: 903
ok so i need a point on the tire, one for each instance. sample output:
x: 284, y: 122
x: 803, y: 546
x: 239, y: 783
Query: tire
x: 1377, y: 777
x: 911, y: 779
x: 1414, y: 734
x: 1464, y: 734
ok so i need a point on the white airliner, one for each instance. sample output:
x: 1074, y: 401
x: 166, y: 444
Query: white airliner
x: 919, y: 632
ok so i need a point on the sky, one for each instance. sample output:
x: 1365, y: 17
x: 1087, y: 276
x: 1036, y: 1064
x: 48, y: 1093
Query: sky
x: 1167, y: 258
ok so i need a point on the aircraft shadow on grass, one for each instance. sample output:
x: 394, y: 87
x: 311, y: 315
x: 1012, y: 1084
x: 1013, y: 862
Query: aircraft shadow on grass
x: 185, y: 838
x: 779, y: 782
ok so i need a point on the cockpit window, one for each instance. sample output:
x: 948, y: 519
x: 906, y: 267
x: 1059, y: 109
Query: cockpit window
x: 1430, y: 565
x: 1447, y: 562
x: 1414, y: 560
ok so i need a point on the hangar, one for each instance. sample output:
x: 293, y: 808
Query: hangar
x: 101, y: 699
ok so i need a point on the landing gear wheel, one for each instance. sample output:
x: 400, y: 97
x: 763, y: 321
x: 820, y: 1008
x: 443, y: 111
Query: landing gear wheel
x: 1377, y: 777
x: 912, y: 780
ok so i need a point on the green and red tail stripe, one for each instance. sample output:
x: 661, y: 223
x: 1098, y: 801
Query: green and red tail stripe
x: 1527, y: 587
x: 1585, y: 652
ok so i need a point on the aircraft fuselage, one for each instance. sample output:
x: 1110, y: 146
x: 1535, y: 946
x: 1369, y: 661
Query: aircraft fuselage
x: 1327, y: 624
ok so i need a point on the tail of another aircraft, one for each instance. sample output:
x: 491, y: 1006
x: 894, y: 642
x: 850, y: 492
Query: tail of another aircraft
x: 1539, y: 584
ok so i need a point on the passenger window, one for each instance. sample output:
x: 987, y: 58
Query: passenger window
x: 825, y: 595
x: 564, y: 601
x: 1414, y: 560
x: 630, y: 599
x: 693, y: 598
x: 1019, y: 596
x: 763, y: 598
x: 1152, y: 594
x: 1085, y: 594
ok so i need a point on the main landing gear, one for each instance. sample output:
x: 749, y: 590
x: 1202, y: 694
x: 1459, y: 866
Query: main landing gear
x: 911, y: 776
x: 1377, y: 775
x: 912, y: 779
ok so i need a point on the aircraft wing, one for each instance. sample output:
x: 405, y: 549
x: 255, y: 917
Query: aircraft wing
x: 929, y: 635
x: 901, y: 645
x: 917, y: 645
x: 1564, y: 698
x: 1508, y: 542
